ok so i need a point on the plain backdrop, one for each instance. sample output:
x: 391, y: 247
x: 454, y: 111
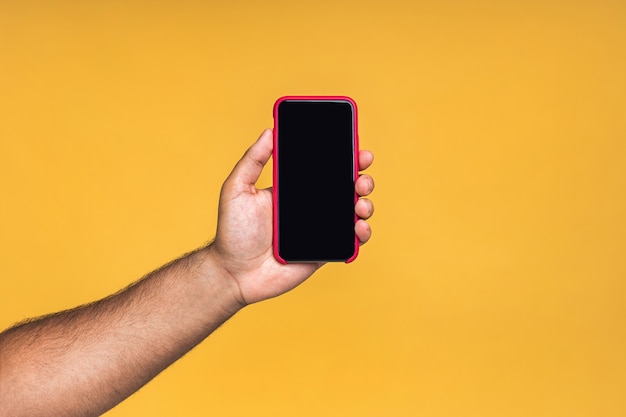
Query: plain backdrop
x: 495, y: 281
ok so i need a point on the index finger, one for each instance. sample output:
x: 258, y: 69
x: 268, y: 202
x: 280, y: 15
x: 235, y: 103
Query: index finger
x: 365, y: 159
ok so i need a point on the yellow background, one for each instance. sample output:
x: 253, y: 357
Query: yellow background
x: 495, y: 282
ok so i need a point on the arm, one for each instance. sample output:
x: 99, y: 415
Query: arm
x: 84, y: 361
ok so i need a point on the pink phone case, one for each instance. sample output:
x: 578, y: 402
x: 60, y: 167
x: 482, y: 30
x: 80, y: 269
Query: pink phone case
x: 275, y: 170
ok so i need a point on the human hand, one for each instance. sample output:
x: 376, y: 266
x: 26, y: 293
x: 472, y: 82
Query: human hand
x: 243, y: 243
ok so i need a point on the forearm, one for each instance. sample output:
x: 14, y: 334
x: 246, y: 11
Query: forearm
x: 84, y: 361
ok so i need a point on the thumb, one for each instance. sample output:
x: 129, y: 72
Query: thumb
x: 249, y: 168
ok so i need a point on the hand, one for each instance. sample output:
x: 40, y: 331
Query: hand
x: 243, y: 243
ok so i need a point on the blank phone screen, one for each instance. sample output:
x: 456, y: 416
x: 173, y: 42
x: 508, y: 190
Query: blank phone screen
x: 315, y: 164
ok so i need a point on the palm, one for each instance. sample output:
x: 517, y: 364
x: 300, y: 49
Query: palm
x: 243, y: 242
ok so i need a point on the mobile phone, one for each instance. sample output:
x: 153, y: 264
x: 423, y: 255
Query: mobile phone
x: 315, y: 167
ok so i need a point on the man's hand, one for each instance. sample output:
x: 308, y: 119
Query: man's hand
x: 84, y: 361
x: 243, y: 244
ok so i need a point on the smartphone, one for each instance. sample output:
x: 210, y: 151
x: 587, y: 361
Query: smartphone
x: 315, y: 167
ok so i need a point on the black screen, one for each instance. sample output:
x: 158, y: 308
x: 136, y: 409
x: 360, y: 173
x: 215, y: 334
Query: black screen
x: 315, y: 167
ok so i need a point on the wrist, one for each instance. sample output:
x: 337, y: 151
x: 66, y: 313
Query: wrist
x: 218, y: 277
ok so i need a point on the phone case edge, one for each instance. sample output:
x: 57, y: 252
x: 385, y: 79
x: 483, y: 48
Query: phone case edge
x: 275, y: 168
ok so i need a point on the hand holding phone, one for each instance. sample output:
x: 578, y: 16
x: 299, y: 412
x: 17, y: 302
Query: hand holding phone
x: 315, y: 169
